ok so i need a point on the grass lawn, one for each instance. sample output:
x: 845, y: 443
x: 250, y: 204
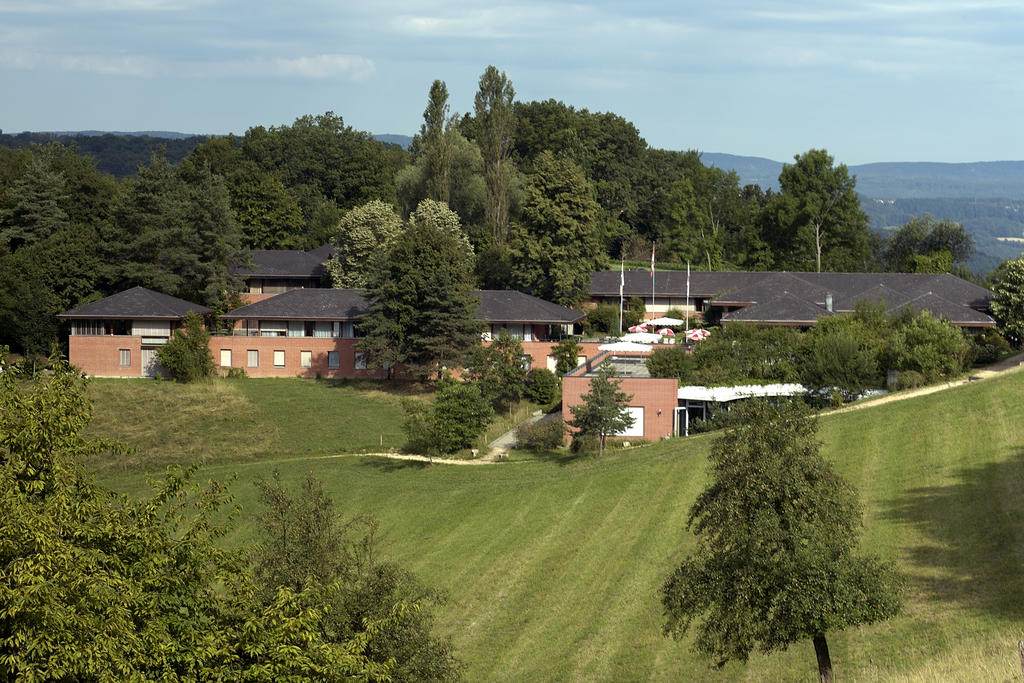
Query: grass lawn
x: 553, y: 567
x: 234, y: 421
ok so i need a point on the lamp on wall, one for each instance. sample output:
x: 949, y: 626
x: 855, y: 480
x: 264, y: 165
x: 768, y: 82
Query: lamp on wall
x: 659, y: 412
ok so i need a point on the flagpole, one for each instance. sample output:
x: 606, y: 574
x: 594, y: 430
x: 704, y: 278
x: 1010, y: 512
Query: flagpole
x: 687, y: 307
x: 622, y: 284
x: 652, y: 277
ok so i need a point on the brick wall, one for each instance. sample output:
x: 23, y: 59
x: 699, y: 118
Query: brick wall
x: 654, y: 394
x: 100, y: 355
x: 293, y: 348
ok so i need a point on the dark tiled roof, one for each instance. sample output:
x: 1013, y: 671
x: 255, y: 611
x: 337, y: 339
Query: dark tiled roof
x: 307, y: 304
x: 514, y: 307
x: 349, y: 304
x: 955, y: 313
x: 880, y: 293
x: 137, y: 302
x: 784, y: 309
x: 741, y: 288
x: 703, y: 284
x: 284, y: 263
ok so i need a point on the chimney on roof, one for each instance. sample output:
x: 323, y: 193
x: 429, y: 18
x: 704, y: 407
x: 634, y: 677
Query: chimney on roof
x: 828, y: 301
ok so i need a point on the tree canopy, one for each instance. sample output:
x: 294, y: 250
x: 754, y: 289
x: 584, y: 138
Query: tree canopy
x: 776, y: 559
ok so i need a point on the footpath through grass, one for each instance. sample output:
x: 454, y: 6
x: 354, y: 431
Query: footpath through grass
x: 553, y: 567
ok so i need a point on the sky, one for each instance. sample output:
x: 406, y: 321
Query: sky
x: 897, y: 80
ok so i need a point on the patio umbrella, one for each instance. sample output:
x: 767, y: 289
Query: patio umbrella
x: 625, y: 346
x: 673, y: 322
x: 697, y: 334
x: 667, y: 332
x: 642, y: 337
x: 642, y: 327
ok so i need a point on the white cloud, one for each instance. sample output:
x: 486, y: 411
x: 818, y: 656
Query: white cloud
x: 351, y: 67
x: 64, y: 6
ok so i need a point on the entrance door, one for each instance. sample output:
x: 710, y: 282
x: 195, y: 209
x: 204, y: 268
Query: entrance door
x: 150, y: 366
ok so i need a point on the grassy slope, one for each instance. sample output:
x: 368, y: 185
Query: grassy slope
x: 553, y: 567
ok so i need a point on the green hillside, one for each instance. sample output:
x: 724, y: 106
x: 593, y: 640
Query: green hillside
x: 553, y: 567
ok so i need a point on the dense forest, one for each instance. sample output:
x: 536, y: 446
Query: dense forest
x: 544, y: 194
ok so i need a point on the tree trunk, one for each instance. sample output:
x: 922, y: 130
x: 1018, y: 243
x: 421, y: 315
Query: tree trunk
x: 824, y: 661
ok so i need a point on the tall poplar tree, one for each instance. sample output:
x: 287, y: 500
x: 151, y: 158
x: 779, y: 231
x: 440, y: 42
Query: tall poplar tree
x: 494, y: 128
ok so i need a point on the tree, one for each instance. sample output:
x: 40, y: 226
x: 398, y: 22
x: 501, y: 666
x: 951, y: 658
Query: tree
x: 360, y: 240
x: 498, y: 370
x: 422, y: 308
x: 776, y: 557
x: 555, y: 249
x: 567, y: 354
x: 927, y: 245
x: 1008, y: 302
x: 36, y: 202
x: 174, y: 231
x: 604, y: 411
x: 436, y: 139
x: 841, y: 353
x: 187, y: 355
x: 816, y: 219
x: 307, y: 543
x: 105, y: 587
x: 493, y: 131
x: 930, y: 346
x: 459, y: 415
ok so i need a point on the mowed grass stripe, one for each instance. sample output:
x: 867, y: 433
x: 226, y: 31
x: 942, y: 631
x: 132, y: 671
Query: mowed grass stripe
x: 553, y: 567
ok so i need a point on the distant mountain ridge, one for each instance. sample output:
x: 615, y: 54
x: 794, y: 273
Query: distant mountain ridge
x: 898, y: 179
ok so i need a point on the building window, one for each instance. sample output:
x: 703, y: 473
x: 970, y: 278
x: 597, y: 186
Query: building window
x: 526, y: 362
x: 278, y: 359
x: 306, y: 359
x: 225, y: 358
x: 360, y: 360
x: 332, y: 360
x: 124, y: 357
x: 253, y: 358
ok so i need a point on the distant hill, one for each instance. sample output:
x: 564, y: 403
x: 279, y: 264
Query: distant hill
x: 402, y: 141
x: 120, y: 154
x: 171, y: 135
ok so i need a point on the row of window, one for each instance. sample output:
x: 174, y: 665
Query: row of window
x: 299, y: 328
x: 252, y: 359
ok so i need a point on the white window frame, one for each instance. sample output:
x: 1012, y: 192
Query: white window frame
x: 225, y: 355
x: 306, y: 359
x: 333, y: 360
x: 124, y: 358
x: 279, y: 358
x: 252, y: 357
x: 360, y: 360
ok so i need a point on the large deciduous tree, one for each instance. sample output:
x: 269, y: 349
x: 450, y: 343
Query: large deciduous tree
x: 816, y: 222
x: 555, y: 248
x: 98, y: 586
x: 1008, y: 303
x: 493, y: 131
x: 927, y: 245
x: 360, y: 242
x: 422, y: 308
x: 604, y: 410
x: 776, y: 560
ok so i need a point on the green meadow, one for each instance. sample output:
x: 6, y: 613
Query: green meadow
x: 552, y: 566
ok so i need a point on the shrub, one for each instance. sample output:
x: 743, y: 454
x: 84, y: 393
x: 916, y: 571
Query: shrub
x: 542, y: 387
x: 990, y: 346
x: 543, y: 435
x: 236, y: 373
x: 930, y: 346
x: 566, y: 352
x: 603, y: 319
x: 674, y: 361
x: 187, y: 354
x: 459, y: 415
x: 910, y: 379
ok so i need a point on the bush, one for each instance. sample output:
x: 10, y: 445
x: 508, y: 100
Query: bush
x: 566, y: 353
x: 603, y: 319
x: 910, y: 379
x: 459, y: 415
x: 931, y: 347
x: 674, y: 361
x: 542, y: 387
x: 543, y: 435
x: 187, y: 354
x: 236, y: 373
x: 990, y: 346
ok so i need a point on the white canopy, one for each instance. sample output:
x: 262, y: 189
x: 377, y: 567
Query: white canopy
x: 666, y: 322
x: 642, y: 337
x: 625, y: 346
x: 726, y: 394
